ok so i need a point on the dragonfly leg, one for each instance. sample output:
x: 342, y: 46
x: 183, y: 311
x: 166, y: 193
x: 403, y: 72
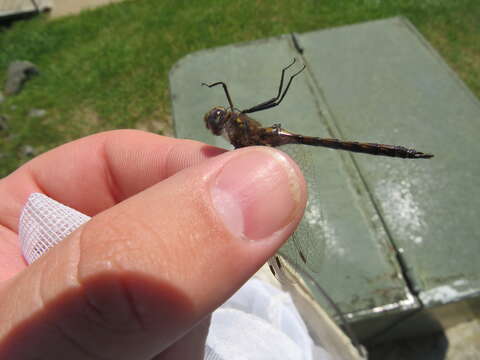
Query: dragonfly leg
x: 278, y: 99
x: 281, y: 79
x: 224, y: 89
x: 246, y: 127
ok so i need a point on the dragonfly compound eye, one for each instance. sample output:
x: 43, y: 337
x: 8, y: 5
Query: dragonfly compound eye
x: 215, y: 120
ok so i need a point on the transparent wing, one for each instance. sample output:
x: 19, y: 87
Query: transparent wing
x: 306, y: 248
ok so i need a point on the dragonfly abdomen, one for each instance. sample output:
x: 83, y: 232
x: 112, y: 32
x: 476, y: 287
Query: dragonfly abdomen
x: 361, y: 147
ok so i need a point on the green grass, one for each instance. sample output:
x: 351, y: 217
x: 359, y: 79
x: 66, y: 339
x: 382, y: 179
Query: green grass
x: 108, y: 68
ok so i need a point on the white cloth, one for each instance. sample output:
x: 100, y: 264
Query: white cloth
x: 259, y: 322
x: 45, y: 222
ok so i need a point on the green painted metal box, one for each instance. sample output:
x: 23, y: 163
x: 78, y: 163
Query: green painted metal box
x: 394, y: 242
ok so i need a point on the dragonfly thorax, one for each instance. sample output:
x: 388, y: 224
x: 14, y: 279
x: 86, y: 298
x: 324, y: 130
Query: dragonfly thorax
x: 215, y: 119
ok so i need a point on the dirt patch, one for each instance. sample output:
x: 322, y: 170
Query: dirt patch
x: 70, y: 7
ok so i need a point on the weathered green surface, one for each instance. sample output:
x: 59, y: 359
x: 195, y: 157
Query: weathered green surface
x: 383, y: 82
x: 375, y: 82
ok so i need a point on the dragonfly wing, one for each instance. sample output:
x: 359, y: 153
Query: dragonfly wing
x: 306, y: 247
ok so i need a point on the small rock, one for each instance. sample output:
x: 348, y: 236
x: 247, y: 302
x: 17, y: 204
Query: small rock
x: 18, y: 72
x: 37, y: 113
x: 28, y: 150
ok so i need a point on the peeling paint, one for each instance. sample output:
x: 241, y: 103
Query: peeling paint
x: 407, y: 216
x: 445, y: 294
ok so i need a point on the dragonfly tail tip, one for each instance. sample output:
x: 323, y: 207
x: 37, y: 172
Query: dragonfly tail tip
x: 421, y: 155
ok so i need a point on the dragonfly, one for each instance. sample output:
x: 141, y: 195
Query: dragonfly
x: 241, y: 130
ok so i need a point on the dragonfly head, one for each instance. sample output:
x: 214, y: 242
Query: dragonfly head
x: 215, y: 120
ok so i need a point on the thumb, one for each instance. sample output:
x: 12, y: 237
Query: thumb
x: 137, y: 277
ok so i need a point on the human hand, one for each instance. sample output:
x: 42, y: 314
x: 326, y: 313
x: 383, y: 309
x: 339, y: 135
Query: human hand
x: 177, y: 228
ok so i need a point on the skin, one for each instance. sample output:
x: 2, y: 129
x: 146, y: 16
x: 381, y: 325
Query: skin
x: 177, y: 227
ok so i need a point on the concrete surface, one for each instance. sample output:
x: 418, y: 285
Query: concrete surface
x: 17, y: 7
x: 391, y: 238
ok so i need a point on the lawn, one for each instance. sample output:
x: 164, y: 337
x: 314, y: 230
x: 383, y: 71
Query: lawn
x: 108, y: 68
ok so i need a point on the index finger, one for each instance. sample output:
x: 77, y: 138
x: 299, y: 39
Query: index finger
x: 94, y: 173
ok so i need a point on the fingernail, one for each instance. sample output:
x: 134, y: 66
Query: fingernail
x: 257, y: 193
